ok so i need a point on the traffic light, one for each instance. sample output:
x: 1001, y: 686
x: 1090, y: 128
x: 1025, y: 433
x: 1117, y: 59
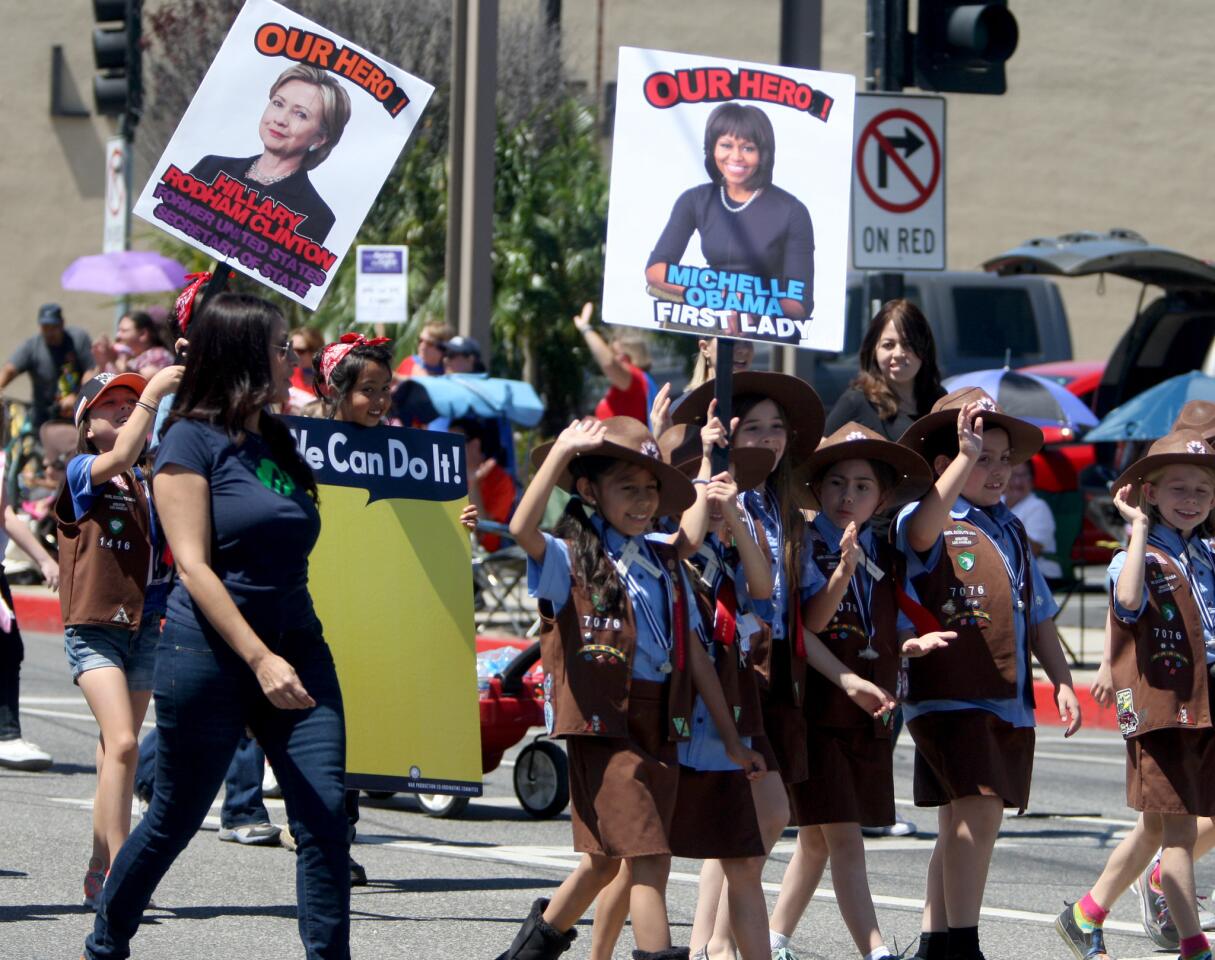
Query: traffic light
x: 961, y: 47
x: 118, y: 87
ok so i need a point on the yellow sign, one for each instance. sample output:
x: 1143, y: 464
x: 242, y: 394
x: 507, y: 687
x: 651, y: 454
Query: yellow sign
x: 392, y: 583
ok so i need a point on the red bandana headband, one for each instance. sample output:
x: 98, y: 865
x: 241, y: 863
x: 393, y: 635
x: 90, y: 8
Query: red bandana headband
x: 334, y: 353
x: 183, y: 308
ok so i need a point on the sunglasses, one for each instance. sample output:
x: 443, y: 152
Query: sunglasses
x: 282, y: 349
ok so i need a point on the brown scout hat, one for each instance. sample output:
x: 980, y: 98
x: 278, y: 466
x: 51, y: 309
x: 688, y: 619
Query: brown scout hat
x: 792, y: 394
x: 1024, y: 439
x: 853, y: 441
x: 1179, y: 446
x: 628, y: 439
x: 1198, y: 416
x: 682, y: 449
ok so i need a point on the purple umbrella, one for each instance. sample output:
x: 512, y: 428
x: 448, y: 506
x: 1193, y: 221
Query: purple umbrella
x: 125, y: 271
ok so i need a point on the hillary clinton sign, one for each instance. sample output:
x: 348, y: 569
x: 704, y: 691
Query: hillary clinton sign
x: 728, y: 212
x: 283, y: 150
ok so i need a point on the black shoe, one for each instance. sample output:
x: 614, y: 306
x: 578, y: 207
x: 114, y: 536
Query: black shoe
x: 1085, y: 946
x: 536, y: 940
x: 670, y: 953
x: 358, y: 874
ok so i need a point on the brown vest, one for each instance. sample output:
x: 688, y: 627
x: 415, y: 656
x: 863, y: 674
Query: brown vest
x: 588, y: 663
x: 783, y: 681
x: 1159, y: 661
x: 105, y: 556
x: 969, y: 591
x: 719, y: 614
x: 846, y: 636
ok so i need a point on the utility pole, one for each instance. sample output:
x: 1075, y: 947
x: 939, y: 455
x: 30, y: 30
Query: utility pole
x: 885, y: 70
x: 801, y: 45
x: 470, y: 191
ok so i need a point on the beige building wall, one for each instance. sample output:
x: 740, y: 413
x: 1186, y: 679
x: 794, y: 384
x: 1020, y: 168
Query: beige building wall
x: 1107, y: 122
x: 51, y: 170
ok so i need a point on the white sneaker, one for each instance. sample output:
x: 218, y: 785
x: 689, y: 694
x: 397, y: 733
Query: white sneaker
x: 18, y: 754
x: 252, y: 834
x: 902, y: 827
x: 270, y: 787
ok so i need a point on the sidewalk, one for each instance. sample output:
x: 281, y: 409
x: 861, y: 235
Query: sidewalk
x: 37, y: 610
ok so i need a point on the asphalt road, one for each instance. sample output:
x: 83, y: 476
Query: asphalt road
x: 458, y: 888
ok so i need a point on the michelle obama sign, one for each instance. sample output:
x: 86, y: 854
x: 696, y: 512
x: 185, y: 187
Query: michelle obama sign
x: 728, y: 213
x: 282, y: 150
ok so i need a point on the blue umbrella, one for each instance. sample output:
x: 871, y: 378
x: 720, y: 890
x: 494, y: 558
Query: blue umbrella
x: 1040, y: 400
x: 1151, y: 414
x: 468, y: 395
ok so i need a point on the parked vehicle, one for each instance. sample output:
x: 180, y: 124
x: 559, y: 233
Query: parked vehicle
x: 1065, y: 457
x: 978, y: 320
x: 1173, y: 334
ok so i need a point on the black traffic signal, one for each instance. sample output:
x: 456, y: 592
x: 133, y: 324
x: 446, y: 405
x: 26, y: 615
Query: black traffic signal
x: 961, y: 47
x: 117, y: 54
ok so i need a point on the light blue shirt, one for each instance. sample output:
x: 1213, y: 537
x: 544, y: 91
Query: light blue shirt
x: 1198, y: 560
x: 705, y: 750
x: 999, y: 524
x: 813, y: 579
x: 762, y: 506
x: 550, y: 581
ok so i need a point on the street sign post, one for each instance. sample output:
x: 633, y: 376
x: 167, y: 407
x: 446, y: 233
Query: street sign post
x: 381, y: 284
x: 117, y: 210
x: 898, y: 187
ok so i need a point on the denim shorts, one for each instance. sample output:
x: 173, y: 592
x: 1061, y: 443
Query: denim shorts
x: 89, y: 646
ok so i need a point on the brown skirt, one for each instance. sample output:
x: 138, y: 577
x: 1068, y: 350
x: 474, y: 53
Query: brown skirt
x: 715, y: 816
x: 783, y: 744
x: 623, y: 791
x: 1173, y: 770
x: 851, y: 779
x: 971, y: 753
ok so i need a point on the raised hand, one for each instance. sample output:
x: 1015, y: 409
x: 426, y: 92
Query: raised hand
x: 970, y: 431
x: 581, y: 436
x: 660, y: 412
x: 851, y: 553
x: 919, y: 646
x: 713, y: 433
x: 1129, y: 505
x: 583, y: 320
x: 722, y: 495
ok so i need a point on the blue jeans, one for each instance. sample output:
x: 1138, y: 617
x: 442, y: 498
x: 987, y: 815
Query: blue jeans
x: 205, y: 697
x: 243, y: 802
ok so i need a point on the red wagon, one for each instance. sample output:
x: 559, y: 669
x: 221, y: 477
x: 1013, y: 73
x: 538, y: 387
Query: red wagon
x: 512, y: 703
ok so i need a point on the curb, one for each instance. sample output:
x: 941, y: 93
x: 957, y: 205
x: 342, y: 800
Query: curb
x: 37, y: 610
x: 1047, y: 714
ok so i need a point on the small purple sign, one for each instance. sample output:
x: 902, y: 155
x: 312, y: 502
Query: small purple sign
x: 380, y: 261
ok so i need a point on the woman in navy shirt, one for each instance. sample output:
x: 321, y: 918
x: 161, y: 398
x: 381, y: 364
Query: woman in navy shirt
x: 242, y: 646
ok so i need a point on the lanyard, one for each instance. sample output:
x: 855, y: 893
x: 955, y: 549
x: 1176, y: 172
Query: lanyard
x: 644, y: 557
x: 1017, y: 573
x: 1197, y: 551
x: 773, y: 518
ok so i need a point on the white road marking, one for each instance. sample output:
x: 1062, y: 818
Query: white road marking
x: 522, y: 856
x: 64, y: 715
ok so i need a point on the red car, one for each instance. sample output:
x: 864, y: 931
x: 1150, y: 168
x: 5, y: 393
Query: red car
x: 1058, y: 467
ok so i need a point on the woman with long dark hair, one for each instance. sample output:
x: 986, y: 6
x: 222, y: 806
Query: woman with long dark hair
x: 898, y: 381
x: 242, y: 646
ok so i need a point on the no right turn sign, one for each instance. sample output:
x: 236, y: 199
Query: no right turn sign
x: 898, y: 186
